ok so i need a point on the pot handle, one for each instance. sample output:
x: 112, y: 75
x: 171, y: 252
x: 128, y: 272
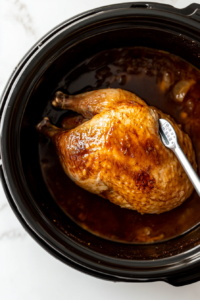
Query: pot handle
x: 185, y: 278
x: 196, y: 14
x: 192, y: 11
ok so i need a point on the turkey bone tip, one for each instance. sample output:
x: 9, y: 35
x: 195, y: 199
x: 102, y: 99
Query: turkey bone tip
x: 59, y: 99
x: 45, y: 127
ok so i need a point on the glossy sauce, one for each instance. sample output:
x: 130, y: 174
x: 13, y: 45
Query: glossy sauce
x: 152, y: 75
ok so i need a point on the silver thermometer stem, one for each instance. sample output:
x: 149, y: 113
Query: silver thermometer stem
x: 169, y: 139
x: 188, y: 168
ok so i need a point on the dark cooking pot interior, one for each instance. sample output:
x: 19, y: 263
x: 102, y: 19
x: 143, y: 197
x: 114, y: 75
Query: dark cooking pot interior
x: 62, y: 57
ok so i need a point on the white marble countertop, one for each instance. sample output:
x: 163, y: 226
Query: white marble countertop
x: 26, y: 270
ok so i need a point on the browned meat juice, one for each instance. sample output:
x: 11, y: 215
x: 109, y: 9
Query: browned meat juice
x: 162, y: 80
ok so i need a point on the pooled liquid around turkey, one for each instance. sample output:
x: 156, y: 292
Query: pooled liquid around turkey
x: 162, y: 80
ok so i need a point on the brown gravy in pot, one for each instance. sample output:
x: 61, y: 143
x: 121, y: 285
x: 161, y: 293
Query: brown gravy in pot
x: 152, y: 75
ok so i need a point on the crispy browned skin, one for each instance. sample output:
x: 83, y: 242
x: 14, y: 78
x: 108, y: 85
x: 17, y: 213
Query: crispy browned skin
x: 118, y: 153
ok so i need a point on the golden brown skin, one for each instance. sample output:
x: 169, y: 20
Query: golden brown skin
x: 118, y: 153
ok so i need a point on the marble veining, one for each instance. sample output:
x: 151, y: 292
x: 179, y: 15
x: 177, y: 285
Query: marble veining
x: 21, y: 14
x: 13, y: 234
x: 3, y: 206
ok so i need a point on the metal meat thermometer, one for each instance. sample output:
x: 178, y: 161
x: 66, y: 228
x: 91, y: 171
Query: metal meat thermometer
x: 169, y: 139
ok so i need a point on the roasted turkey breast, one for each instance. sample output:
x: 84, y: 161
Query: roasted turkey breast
x: 113, y: 149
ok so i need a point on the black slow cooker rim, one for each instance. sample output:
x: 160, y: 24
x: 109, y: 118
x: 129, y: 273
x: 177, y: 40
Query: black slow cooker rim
x: 8, y: 101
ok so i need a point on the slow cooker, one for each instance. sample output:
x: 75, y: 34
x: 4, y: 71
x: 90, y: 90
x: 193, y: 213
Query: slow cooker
x: 153, y: 25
